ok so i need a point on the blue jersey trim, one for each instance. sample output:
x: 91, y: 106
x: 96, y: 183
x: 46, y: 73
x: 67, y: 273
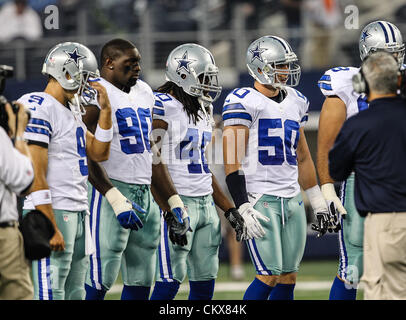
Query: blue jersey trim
x: 233, y: 106
x: 238, y: 115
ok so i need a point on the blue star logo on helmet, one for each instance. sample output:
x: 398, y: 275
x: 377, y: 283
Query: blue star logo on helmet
x: 365, y: 35
x: 74, y: 56
x: 184, y: 62
x: 256, y: 53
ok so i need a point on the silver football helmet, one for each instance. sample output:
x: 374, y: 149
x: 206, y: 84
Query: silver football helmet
x: 265, y: 57
x: 192, y: 67
x: 73, y: 65
x: 381, y: 35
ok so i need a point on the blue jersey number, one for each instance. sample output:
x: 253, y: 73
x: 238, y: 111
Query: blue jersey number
x: 81, y: 147
x: 281, y: 147
x: 240, y: 93
x: 190, y: 149
x: 340, y: 69
x: 134, y: 124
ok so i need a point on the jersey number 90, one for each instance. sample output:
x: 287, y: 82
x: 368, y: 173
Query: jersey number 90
x: 133, y: 123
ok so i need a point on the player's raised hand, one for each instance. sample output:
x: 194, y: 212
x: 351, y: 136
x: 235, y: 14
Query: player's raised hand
x: 253, y: 226
x: 102, y: 97
x: 236, y: 221
x: 125, y: 210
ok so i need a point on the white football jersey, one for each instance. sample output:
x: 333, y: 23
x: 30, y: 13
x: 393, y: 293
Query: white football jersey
x: 130, y: 159
x: 270, y: 165
x: 183, y: 147
x: 53, y: 125
x: 338, y: 82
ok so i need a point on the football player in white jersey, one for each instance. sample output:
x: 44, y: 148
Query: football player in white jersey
x: 125, y: 219
x: 59, y: 144
x: 183, y: 128
x: 341, y: 103
x: 267, y: 160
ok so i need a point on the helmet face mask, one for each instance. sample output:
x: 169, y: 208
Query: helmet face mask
x: 73, y: 65
x: 382, y: 35
x: 192, y: 68
x: 271, y: 61
x: 282, y: 74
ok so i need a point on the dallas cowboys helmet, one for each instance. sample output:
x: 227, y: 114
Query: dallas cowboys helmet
x: 192, y: 67
x: 265, y: 54
x: 72, y: 64
x: 381, y: 35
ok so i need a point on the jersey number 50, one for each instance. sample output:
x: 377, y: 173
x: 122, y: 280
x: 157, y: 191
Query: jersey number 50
x: 282, y: 147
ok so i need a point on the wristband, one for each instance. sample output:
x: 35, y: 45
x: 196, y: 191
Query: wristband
x: 117, y: 200
x: 316, y: 198
x: 236, y: 185
x: 175, y: 202
x: 41, y: 197
x: 103, y: 135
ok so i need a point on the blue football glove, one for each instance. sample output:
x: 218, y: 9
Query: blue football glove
x: 182, y: 222
x: 125, y: 210
x: 129, y: 219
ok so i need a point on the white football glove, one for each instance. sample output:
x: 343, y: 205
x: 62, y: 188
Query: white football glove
x: 253, y: 226
x: 329, y: 194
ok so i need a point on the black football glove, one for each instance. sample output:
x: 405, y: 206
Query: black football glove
x: 236, y: 221
x: 334, y: 224
x: 323, y: 223
x: 176, y: 230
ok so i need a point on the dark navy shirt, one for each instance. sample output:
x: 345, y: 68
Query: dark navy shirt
x: 373, y: 145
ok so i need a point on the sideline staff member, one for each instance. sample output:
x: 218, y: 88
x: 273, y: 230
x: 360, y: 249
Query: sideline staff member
x: 373, y: 145
x: 16, y: 176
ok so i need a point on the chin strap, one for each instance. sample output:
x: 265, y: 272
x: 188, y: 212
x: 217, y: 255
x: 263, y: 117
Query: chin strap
x: 76, y: 106
x: 204, y: 105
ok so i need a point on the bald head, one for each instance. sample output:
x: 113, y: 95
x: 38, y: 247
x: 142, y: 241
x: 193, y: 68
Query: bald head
x: 120, y: 63
x: 114, y: 49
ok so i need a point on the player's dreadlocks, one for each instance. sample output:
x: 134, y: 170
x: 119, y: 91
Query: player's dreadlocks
x: 190, y: 103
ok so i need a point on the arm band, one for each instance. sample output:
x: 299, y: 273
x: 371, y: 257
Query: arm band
x: 41, y: 197
x: 236, y: 185
x: 103, y: 135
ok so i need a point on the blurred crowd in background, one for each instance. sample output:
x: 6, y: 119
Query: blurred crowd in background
x: 315, y: 28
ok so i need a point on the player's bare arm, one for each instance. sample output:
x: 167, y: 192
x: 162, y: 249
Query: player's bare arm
x: 230, y: 212
x: 163, y: 189
x: 219, y: 197
x: 40, y: 163
x: 99, y: 179
x: 97, y: 175
x: 235, y: 141
x: 308, y: 181
x: 162, y: 184
x: 332, y: 117
x: 307, y: 171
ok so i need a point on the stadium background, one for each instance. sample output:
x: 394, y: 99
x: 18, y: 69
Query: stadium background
x: 322, y: 33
